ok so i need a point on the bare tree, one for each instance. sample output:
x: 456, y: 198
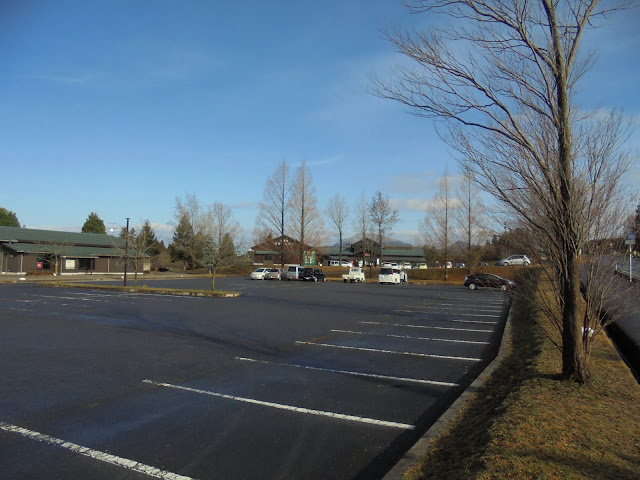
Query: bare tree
x: 383, y: 216
x: 438, y: 223
x: 141, y: 248
x: 307, y: 224
x: 273, y: 211
x: 362, y: 225
x: 503, y: 77
x: 470, y: 217
x: 53, y: 252
x: 338, y: 212
x: 221, y: 231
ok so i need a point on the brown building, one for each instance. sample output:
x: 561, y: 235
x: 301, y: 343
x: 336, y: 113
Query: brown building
x: 282, y: 251
x: 26, y: 250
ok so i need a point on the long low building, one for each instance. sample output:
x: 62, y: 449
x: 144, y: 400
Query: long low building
x: 28, y: 251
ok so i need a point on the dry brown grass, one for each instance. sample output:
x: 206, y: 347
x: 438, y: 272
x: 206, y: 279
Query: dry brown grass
x: 527, y: 423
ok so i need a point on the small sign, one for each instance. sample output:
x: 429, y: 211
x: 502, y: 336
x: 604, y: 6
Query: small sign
x: 39, y: 265
x: 631, y: 239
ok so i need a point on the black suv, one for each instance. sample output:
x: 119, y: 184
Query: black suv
x: 313, y: 274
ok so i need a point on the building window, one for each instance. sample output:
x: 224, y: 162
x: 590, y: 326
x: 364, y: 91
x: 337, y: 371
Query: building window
x: 87, y: 264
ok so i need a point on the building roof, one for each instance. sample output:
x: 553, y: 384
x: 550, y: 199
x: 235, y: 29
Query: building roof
x: 30, y: 235
x: 65, y: 244
x: 64, y: 250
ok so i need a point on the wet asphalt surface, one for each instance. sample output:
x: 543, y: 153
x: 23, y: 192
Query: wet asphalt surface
x: 292, y: 380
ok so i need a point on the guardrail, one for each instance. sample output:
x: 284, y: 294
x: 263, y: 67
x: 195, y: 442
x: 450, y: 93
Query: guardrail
x: 624, y: 272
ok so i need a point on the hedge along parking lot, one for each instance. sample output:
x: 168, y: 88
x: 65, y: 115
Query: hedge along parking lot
x: 292, y: 380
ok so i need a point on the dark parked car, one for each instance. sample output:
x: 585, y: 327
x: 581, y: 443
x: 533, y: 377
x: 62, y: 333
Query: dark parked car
x: 488, y: 280
x: 312, y: 274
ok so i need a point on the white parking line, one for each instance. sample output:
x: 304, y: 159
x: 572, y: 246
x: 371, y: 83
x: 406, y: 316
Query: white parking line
x: 395, y: 352
x: 474, y: 321
x: 451, y: 306
x: 355, y: 374
x: 410, y: 337
x: 427, y: 326
x: 340, y: 416
x: 95, y: 454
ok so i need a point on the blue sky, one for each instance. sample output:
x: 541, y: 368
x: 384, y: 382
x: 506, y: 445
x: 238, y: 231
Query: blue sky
x: 119, y: 107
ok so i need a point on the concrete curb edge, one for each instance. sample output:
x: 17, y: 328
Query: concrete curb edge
x: 420, y: 447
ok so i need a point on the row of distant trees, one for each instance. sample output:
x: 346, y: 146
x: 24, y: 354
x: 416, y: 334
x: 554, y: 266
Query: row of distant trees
x: 290, y: 208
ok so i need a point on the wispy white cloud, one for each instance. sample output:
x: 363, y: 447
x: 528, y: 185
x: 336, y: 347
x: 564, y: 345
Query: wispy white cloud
x: 425, y: 182
x: 144, y: 67
x: 68, y: 78
x: 412, y: 204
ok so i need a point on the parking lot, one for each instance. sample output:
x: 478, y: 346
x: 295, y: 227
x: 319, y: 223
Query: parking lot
x: 291, y: 380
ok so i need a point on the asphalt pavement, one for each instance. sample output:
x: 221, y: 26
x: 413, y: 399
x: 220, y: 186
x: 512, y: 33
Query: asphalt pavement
x: 291, y: 380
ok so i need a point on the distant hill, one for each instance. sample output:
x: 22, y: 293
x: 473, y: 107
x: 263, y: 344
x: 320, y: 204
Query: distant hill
x: 388, y: 242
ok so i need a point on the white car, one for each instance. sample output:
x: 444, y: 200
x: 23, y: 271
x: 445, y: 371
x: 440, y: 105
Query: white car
x: 422, y: 266
x: 514, y: 260
x: 346, y: 264
x: 258, y: 273
x: 392, y: 275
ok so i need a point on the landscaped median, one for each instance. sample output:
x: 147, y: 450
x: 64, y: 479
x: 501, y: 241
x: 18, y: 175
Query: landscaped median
x: 525, y: 422
x: 145, y: 289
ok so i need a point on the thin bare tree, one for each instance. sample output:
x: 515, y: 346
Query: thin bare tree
x: 383, y: 217
x: 141, y: 248
x: 503, y: 77
x: 470, y: 218
x: 362, y: 225
x: 307, y: 224
x: 273, y: 211
x: 222, y: 231
x: 438, y: 222
x: 338, y: 213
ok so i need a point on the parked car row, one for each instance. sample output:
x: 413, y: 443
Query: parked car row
x: 388, y: 275
x: 293, y: 272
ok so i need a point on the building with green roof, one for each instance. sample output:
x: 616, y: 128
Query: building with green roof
x: 27, y: 250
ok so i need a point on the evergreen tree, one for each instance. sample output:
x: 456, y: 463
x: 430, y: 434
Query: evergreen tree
x: 8, y: 218
x: 93, y: 224
x: 148, y: 236
x: 227, y: 249
x: 187, y: 246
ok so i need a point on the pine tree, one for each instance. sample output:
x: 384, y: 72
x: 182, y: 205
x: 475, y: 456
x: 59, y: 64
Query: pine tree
x: 93, y: 224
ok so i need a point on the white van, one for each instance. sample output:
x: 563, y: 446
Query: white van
x: 392, y: 275
x: 293, y: 272
x: 334, y: 263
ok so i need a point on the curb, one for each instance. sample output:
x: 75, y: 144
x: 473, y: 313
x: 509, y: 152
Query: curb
x: 147, y: 290
x: 416, y: 452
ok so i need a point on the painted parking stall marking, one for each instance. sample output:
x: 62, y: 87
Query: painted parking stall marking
x: 393, y: 352
x: 426, y: 326
x: 290, y: 408
x: 355, y: 374
x: 410, y: 337
x: 94, y: 454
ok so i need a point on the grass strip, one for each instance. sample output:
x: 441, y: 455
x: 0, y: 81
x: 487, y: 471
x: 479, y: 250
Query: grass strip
x: 145, y: 289
x: 527, y: 423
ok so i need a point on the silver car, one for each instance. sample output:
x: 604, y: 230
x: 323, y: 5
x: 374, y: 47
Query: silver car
x: 514, y: 260
x: 274, y: 274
